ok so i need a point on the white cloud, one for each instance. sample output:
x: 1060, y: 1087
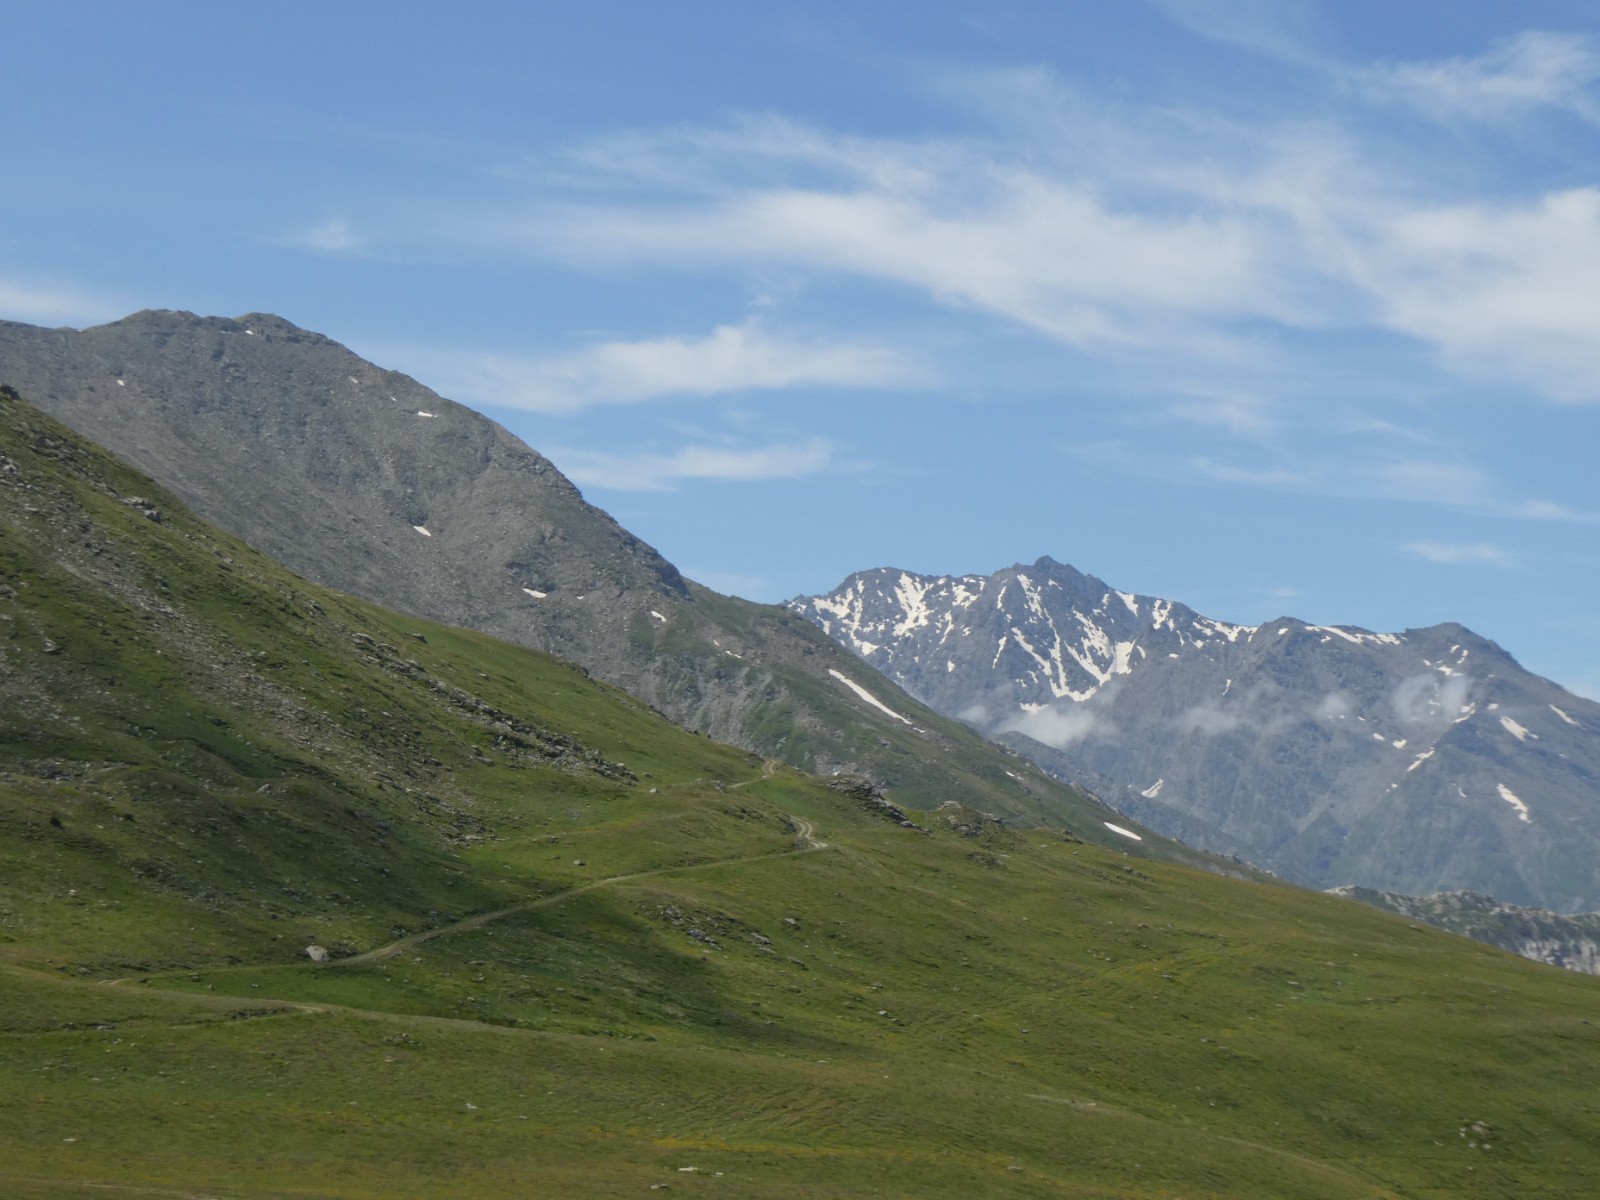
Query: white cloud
x: 1165, y: 241
x: 1508, y: 290
x: 1333, y: 706
x: 1062, y: 726
x: 1208, y: 720
x: 651, y: 472
x: 1040, y: 252
x: 1478, y: 554
x: 1534, y: 69
x: 732, y: 358
x: 1432, y: 701
x: 973, y: 224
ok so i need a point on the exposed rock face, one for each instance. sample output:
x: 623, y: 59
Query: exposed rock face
x: 365, y: 480
x: 1419, y: 761
x: 1572, y: 942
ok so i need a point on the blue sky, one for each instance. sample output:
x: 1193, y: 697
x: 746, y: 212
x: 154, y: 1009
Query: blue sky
x: 1270, y: 306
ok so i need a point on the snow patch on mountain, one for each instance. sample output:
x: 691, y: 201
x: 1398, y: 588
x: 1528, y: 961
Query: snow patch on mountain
x: 866, y: 695
x: 1518, y: 731
x: 1515, y: 801
x: 1357, y: 637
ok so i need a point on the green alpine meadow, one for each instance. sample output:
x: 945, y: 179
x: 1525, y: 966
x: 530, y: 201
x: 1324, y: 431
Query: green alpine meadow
x: 303, y: 898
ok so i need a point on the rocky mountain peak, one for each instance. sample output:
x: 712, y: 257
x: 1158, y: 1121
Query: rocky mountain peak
x: 1420, y: 761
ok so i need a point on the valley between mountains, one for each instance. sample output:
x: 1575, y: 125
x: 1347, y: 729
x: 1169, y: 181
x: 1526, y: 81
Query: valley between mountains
x: 267, y: 684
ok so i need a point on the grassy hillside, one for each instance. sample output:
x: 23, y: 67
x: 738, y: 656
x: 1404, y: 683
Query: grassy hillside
x: 338, y: 468
x: 575, y: 951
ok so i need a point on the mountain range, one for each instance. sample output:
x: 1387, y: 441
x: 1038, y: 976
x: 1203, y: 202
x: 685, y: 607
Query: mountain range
x: 1413, y: 762
x: 300, y: 896
x: 364, y: 480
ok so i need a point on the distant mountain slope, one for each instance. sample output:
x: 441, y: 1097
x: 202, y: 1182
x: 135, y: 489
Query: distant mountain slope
x: 1416, y: 762
x: 1572, y: 942
x: 363, y: 479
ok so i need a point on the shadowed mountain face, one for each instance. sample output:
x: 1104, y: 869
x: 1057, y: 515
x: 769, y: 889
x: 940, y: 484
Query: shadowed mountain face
x: 365, y: 480
x: 1416, y: 762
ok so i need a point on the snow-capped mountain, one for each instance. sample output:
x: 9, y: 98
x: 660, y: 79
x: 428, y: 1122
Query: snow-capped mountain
x: 1420, y: 761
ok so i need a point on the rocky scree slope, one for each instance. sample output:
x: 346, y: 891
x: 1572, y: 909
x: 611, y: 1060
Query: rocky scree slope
x: 365, y: 480
x: 1413, y: 762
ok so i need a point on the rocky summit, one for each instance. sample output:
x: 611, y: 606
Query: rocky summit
x: 1415, y: 762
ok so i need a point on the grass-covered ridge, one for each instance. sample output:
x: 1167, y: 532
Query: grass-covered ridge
x: 701, y: 959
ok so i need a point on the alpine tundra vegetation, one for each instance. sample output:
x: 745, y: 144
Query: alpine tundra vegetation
x: 570, y: 948
x: 433, y: 764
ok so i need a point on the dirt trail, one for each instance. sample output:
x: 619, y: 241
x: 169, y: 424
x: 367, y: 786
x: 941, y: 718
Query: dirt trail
x: 806, y: 832
x: 804, y: 828
x: 769, y: 768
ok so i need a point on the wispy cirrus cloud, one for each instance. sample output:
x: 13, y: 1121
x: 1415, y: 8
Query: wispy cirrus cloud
x: 1450, y: 484
x: 1221, y: 269
x: 1535, y: 69
x: 1243, y: 415
x: 1281, y: 29
x: 1514, y: 76
x: 730, y: 360
x: 1461, y: 554
x: 656, y: 472
x: 1016, y: 231
x: 1335, y: 469
x: 1136, y: 234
